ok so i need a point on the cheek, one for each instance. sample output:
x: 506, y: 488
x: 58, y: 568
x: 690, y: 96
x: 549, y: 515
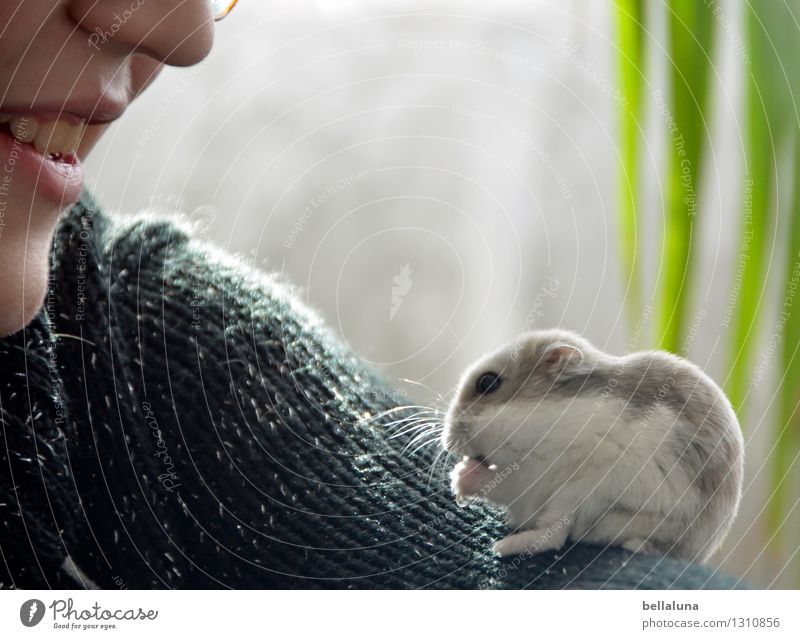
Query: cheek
x: 512, y: 426
x: 143, y: 71
x: 488, y: 429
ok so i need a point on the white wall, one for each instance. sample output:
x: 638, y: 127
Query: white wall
x: 472, y: 141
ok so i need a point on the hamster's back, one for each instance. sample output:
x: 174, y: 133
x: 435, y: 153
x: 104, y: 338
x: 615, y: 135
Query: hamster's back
x: 704, y: 439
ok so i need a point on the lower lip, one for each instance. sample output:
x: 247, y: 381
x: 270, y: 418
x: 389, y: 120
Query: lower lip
x: 57, y: 180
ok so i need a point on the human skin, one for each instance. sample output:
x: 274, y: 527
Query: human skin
x: 53, y: 64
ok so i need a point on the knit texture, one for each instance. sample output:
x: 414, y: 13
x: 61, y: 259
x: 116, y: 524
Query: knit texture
x: 174, y: 419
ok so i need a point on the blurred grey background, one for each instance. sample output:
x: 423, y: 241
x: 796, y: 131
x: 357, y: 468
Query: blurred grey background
x: 437, y: 177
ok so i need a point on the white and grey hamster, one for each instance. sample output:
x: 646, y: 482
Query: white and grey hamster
x: 642, y: 451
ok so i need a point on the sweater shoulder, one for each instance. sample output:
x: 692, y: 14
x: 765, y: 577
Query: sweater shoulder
x: 98, y: 238
x: 153, y: 229
x: 163, y: 260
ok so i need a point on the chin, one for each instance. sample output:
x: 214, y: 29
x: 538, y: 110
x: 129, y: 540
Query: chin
x: 20, y: 303
x: 24, y: 269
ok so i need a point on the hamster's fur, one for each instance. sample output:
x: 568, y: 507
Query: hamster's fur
x: 642, y: 451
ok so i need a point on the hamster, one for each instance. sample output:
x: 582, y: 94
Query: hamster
x: 642, y: 451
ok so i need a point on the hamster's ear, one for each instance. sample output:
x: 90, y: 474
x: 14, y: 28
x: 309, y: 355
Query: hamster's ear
x: 559, y: 356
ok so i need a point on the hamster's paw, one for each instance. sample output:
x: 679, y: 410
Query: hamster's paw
x: 529, y: 542
x: 640, y: 546
x: 469, y: 478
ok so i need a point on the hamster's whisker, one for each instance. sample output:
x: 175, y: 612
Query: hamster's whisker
x: 428, y: 433
x: 448, y: 457
x: 395, y: 410
x: 438, y: 395
x: 411, y: 418
x: 422, y: 429
x: 433, y: 465
x: 424, y: 444
x: 414, y: 417
x: 400, y: 428
x: 410, y: 428
x: 422, y: 435
x: 427, y: 436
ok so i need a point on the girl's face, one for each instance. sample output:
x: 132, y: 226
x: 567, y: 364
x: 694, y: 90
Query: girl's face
x: 67, y: 69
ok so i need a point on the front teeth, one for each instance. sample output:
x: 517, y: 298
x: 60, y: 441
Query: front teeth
x: 23, y: 128
x: 58, y: 137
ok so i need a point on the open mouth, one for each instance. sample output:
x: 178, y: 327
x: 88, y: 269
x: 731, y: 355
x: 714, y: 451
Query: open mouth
x: 44, y: 152
x: 57, y: 139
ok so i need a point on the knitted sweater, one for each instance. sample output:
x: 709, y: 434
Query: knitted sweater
x: 172, y: 418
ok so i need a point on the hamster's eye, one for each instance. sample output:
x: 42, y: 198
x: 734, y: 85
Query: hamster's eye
x: 487, y: 383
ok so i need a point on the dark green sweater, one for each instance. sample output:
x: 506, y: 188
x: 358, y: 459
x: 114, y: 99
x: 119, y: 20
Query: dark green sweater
x: 175, y: 419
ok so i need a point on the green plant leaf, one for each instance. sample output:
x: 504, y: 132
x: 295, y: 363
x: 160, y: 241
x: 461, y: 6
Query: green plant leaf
x: 630, y: 20
x: 691, y: 31
x: 771, y: 36
x: 787, y: 426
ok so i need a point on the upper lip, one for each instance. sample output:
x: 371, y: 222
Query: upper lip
x: 89, y: 110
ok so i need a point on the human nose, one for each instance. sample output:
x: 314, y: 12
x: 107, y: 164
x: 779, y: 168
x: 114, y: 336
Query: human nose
x: 175, y: 32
